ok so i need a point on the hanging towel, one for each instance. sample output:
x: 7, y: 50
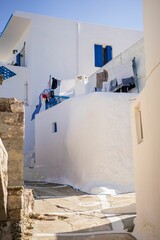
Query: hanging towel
x: 54, y: 83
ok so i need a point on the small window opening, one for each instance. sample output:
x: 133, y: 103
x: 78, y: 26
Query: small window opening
x: 139, y: 125
x: 54, y: 127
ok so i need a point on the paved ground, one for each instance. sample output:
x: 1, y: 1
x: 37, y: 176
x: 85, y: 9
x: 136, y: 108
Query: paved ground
x: 62, y: 212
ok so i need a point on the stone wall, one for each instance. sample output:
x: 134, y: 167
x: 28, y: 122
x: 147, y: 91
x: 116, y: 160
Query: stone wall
x: 12, y: 135
x: 3, y: 182
x: 16, y: 203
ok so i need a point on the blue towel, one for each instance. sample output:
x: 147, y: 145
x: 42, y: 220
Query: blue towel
x: 38, y: 108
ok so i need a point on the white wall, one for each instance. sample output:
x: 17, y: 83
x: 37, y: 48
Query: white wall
x: 147, y: 153
x: 53, y: 51
x: 119, y: 39
x: 63, y: 49
x: 124, y: 58
x: 15, y: 87
x: 25, y: 37
x: 92, y: 147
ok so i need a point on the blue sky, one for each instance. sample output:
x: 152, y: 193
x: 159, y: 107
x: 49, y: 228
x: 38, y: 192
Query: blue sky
x: 115, y: 13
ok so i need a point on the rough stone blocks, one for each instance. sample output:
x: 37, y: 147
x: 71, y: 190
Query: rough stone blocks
x: 12, y: 135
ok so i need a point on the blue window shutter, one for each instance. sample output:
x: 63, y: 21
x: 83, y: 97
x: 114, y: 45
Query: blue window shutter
x: 108, y: 53
x: 18, y: 59
x: 98, y: 51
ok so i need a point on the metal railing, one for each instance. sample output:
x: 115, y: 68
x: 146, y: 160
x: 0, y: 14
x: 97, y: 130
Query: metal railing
x: 6, y: 73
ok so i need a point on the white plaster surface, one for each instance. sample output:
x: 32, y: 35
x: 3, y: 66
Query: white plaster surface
x: 147, y: 152
x: 67, y: 87
x: 57, y: 47
x: 121, y: 66
x: 15, y: 87
x: 92, y: 148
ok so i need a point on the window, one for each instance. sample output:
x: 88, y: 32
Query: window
x: 102, y: 55
x: 54, y: 127
x: 139, y: 126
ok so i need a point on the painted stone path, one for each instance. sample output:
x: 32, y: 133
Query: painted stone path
x: 62, y: 212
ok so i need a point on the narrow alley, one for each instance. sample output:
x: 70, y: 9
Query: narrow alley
x: 61, y: 212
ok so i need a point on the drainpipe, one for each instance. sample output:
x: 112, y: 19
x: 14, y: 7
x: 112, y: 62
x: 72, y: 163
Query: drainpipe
x: 26, y: 94
x: 78, y: 33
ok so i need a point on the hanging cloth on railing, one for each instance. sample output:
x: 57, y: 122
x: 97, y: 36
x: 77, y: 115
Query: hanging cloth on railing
x: 38, y: 108
x: 54, y: 83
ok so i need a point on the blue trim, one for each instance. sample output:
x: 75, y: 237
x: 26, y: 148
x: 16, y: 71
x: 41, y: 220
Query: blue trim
x: 64, y: 97
x: 54, y: 101
x: 18, y: 59
x: 49, y: 103
x: 37, y: 110
x: 7, y: 73
x: 134, y: 66
x: 98, y: 54
x: 108, y: 53
x: 6, y: 25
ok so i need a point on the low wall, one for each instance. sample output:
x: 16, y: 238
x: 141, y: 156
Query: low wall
x: 12, y: 135
x: 90, y: 147
x: 16, y: 203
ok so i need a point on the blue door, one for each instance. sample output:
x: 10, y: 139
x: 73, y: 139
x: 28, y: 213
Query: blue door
x: 18, y: 59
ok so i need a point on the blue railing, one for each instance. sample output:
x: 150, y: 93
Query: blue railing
x: 54, y: 101
x: 6, y: 73
x: 50, y: 101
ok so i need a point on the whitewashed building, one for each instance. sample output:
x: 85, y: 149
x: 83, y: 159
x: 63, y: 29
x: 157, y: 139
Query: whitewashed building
x: 146, y: 131
x: 33, y: 47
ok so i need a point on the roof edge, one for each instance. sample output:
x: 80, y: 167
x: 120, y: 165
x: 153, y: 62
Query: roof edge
x: 6, y: 25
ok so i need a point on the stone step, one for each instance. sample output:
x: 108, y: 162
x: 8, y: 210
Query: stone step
x: 88, y: 236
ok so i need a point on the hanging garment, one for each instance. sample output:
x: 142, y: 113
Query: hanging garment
x: 54, y: 83
x: 38, y: 108
x: 101, y: 77
x: 128, y: 81
x: 113, y: 85
x: 128, y: 84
